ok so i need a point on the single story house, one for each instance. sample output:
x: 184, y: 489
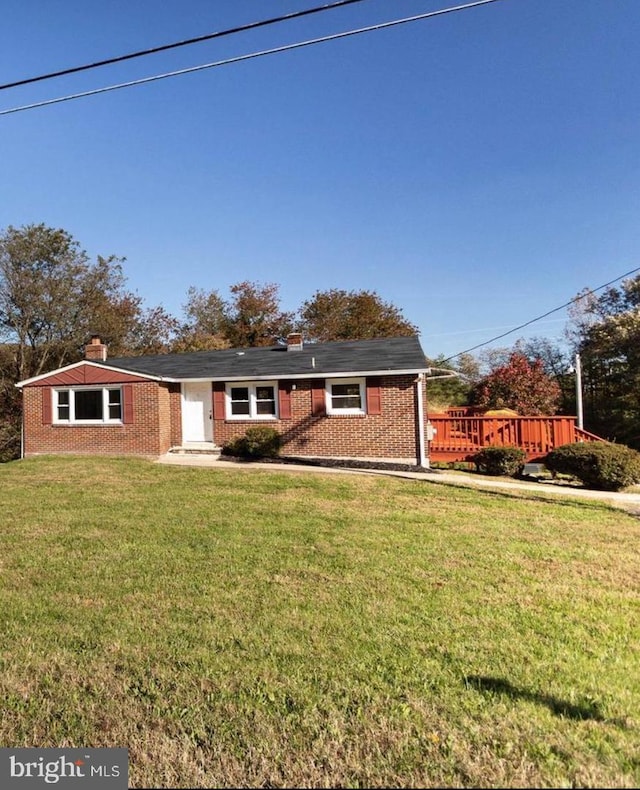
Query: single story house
x: 351, y: 399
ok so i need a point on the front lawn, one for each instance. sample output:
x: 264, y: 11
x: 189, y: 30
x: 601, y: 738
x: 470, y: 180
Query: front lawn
x: 250, y: 628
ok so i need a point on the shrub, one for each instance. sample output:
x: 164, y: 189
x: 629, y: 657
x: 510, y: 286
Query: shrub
x: 600, y: 465
x: 259, y: 441
x: 506, y: 461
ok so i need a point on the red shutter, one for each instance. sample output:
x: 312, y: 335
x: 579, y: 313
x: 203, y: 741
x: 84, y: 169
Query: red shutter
x: 318, y: 401
x: 127, y: 404
x: 284, y: 400
x: 218, y: 400
x: 46, y: 406
x: 374, y: 396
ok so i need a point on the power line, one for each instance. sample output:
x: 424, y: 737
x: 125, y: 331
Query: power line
x: 250, y: 56
x: 484, y: 329
x: 176, y: 44
x: 544, y: 315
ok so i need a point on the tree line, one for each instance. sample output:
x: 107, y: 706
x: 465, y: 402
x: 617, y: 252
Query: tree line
x: 53, y: 298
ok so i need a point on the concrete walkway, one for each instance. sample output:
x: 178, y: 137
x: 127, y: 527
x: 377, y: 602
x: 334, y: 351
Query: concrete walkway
x: 627, y: 501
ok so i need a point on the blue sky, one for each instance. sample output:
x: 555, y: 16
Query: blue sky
x: 476, y: 169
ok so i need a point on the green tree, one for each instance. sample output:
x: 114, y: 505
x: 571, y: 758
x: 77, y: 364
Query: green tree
x: 153, y: 331
x: 607, y: 335
x: 351, y: 315
x: 43, y: 278
x: 10, y: 406
x: 205, y: 324
x: 455, y: 389
x: 252, y: 317
x: 52, y: 298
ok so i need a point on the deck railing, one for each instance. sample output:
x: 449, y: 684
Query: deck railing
x: 459, y: 438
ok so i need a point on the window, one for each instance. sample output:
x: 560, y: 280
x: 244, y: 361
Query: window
x: 346, y: 396
x: 240, y: 404
x: 95, y: 405
x: 251, y: 401
x: 88, y: 404
x: 63, y: 406
x: 114, y: 402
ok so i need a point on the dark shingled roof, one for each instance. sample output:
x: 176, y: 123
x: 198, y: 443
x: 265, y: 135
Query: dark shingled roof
x: 351, y: 356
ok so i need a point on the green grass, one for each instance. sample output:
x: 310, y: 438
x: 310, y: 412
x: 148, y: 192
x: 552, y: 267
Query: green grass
x: 249, y: 628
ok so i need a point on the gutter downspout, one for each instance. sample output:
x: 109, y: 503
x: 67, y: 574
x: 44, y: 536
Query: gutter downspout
x: 423, y: 461
x: 579, y: 392
x: 21, y: 422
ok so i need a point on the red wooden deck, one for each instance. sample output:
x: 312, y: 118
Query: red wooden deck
x: 458, y: 438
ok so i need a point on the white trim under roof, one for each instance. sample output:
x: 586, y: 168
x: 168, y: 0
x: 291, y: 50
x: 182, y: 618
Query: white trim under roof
x: 102, y: 366
x: 332, y: 374
x: 244, y: 377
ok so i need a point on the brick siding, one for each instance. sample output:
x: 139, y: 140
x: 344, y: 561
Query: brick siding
x: 156, y: 425
x: 391, y: 434
x: 175, y: 414
x: 141, y: 437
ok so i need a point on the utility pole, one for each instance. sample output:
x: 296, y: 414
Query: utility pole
x: 578, y: 367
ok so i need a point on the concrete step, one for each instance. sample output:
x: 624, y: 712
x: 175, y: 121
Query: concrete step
x: 197, y: 448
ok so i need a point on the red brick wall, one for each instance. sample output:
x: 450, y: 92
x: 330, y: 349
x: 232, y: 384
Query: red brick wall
x: 157, y: 425
x: 175, y: 414
x: 391, y: 434
x: 164, y: 418
x: 142, y: 437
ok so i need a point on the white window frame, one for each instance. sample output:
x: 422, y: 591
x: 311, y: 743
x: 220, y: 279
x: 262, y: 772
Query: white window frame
x: 106, y: 420
x: 361, y: 382
x: 252, y: 386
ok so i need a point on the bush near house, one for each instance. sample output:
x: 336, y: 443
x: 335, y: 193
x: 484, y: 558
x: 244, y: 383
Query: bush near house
x: 259, y: 441
x: 600, y: 465
x: 504, y: 461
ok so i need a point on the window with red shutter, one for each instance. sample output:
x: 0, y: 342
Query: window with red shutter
x: 90, y: 405
x: 346, y: 396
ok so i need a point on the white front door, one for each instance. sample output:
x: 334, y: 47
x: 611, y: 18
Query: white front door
x: 197, y: 417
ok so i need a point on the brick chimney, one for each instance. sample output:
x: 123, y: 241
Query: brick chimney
x: 294, y: 341
x: 95, y: 350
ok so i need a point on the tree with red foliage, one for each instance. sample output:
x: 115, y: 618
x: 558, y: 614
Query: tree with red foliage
x: 519, y: 384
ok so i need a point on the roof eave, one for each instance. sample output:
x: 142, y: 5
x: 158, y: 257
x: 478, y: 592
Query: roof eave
x: 298, y: 376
